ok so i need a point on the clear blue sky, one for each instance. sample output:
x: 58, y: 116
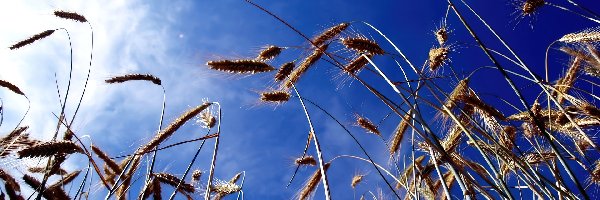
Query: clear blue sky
x: 173, y: 40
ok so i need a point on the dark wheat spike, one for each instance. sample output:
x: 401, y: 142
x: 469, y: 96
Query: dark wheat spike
x: 269, y: 52
x: 284, y: 71
x: 306, y: 160
x: 240, y: 66
x: 13, y: 190
x: 48, y: 193
x: 42, y: 170
x: 363, y: 45
x: 357, y: 64
x: 70, y: 15
x: 303, y: 67
x: 172, y: 180
x: 275, y: 96
x: 11, y: 87
x: 46, y: 149
x: 156, y: 190
x: 109, y: 162
x: 134, y: 77
x: 311, y: 183
x: 367, y: 125
x: 530, y: 6
x: 329, y: 34
x: 32, y: 39
x: 164, y: 134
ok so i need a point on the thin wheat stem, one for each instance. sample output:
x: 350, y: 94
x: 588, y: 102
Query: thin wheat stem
x: 214, y: 157
x: 571, y: 11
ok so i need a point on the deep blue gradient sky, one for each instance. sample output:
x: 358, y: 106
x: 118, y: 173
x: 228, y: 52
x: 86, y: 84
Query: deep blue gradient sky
x: 173, y: 40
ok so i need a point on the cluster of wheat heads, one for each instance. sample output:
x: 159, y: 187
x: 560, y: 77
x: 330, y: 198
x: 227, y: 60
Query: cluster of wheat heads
x: 114, y: 176
x: 544, y: 150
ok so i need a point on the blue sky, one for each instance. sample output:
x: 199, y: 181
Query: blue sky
x: 173, y: 40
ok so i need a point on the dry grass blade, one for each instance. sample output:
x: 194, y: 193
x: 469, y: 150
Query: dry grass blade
x: 284, y: 71
x: 240, y: 66
x: 70, y: 15
x: 11, y: 87
x: 164, y: 134
x: 46, y: 149
x: 32, y: 39
x: 134, y: 77
x: 363, y: 45
x: 329, y: 34
x: 269, y: 52
x: 304, y: 66
x: 311, y: 183
x: 275, y: 96
x: 66, y: 179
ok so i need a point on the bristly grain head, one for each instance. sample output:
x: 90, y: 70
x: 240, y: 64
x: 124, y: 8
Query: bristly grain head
x: 441, y: 35
x: 196, y: 175
x: 240, y: 66
x: 367, y: 125
x: 399, y: 134
x: 304, y: 66
x: 357, y: 64
x: 172, y: 180
x: 11, y: 87
x: 46, y: 149
x: 530, y: 6
x: 329, y: 34
x: 311, y: 184
x: 356, y: 180
x: 32, y: 39
x: 438, y: 57
x: 284, y: 71
x: 363, y: 45
x: 134, y: 77
x: 462, y: 88
x: 306, y: 160
x: 11, y: 186
x: 206, y: 119
x: 275, y: 96
x: 164, y: 134
x: 586, y: 36
x: 268, y: 53
x: 70, y: 15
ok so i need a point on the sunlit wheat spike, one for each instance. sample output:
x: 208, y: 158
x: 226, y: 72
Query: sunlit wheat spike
x: 537, y: 158
x: 311, y: 183
x: 566, y: 82
x: 222, y: 189
x: 12, y: 188
x: 441, y: 35
x: 581, y: 37
x: 275, y: 96
x: 46, y: 149
x: 134, y: 77
x: 167, y: 132
x: 240, y: 66
x: 284, y: 71
x: 399, y: 134
x: 55, y: 193
x: 207, y: 119
x: 70, y: 15
x: 530, y: 6
x: 437, y: 57
x: 329, y: 34
x: 32, y: 39
x: 306, y: 160
x: 592, y: 71
x: 363, y: 45
x: 530, y: 130
x: 109, y: 162
x: 172, y: 180
x: 356, y: 180
x: 235, y: 178
x: 269, y: 52
x: 462, y: 88
x: 367, y: 125
x: 196, y: 175
x: 11, y: 87
x: 590, y: 110
x: 357, y: 64
x: 43, y: 170
x: 304, y: 66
